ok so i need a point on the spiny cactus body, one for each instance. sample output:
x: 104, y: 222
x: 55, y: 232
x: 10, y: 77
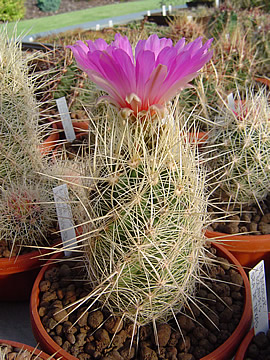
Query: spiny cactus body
x: 239, y: 146
x: 26, y: 217
x: 18, y: 112
x: 147, y: 209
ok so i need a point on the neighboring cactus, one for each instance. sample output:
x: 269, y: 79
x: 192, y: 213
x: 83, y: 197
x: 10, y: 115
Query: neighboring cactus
x: 18, y: 112
x: 239, y: 148
x: 26, y: 217
x: 26, y: 208
x: 147, y: 209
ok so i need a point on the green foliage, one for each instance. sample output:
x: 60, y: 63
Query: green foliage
x: 48, y: 5
x: 11, y: 10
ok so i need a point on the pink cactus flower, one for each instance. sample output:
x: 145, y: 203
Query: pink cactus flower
x: 144, y: 81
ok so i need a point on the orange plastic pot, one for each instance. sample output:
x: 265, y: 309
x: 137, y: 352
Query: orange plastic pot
x: 248, y: 249
x: 241, y: 352
x: 81, y: 128
x: 51, y: 141
x: 198, y: 138
x: 224, y: 352
x: 78, y: 126
x: 18, y: 273
x: 35, y: 351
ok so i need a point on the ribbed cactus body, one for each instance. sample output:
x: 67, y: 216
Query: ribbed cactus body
x: 147, y: 212
x: 239, y: 146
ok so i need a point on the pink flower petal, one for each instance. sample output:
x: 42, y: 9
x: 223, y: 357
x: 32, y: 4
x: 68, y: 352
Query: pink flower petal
x: 159, y: 71
x: 99, y: 44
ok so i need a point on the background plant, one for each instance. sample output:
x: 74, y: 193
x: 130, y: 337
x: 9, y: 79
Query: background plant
x: 11, y: 10
x: 238, y: 149
x: 48, y: 5
x: 26, y: 217
x: 18, y: 112
x: 25, y: 199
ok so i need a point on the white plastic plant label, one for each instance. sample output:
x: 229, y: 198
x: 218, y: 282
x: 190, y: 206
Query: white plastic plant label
x: 230, y: 100
x: 164, y: 10
x: 65, y: 219
x: 66, y: 119
x: 259, y: 298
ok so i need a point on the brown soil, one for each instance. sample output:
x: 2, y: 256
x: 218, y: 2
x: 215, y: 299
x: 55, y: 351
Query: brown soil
x: 32, y: 11
x: 251, y: 220
x: 259, y: 349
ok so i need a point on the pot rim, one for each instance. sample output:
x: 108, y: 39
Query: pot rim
x: 240, y: 243
x: 37, y: 352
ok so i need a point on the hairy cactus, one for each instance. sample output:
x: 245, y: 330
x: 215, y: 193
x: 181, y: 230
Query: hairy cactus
x: 25, y: 209
x: 239, y: 146
x: 18, y: 112
x: 147, y: 207
x: 26, y: 217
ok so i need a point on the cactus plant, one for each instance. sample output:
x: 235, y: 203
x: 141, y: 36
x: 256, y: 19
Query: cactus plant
x: 238, y: 149
x: 26, y: 217
x: 146, y: 203
x: 18, y: 112
x: 26, y: 214
x: 147, y: 208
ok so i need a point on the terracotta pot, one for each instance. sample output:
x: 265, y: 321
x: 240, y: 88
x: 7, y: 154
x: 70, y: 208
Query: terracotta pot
x: 241, y: 352
x: 248, y: 249
x: 78, y: 126
x: 54, y: 139
x: 81, y: 129
x: 51, y: 141
x: 224, y: 352
x: 199, y: 138
x: 18, y: 273
x: 36, y: 352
